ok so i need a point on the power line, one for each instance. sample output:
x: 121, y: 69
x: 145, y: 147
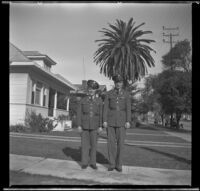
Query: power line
x: 170, y: 35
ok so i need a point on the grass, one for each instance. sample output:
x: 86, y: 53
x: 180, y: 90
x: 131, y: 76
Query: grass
x: 21, y: 178
x: 146, y: 156
x: 139, y: 134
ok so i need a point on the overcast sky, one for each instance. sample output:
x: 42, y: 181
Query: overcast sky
x: 66, y: 32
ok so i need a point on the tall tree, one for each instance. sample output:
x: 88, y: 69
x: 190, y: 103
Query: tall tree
x: 174, y: 88
x: 179, y: 57
x: 123, y: 52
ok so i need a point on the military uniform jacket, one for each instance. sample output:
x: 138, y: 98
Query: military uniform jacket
x: 89, y: 115
x: 117, y: 108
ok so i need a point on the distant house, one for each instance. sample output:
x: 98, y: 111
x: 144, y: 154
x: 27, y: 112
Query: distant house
x: 33, y: 87
x: 82, y: 89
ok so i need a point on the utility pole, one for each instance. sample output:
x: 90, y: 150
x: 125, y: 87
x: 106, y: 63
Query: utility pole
x: 170, y: 35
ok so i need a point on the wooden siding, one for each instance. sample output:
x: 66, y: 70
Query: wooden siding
x: 17, y: 113
x: 18, y: 87
x: 21, y: 92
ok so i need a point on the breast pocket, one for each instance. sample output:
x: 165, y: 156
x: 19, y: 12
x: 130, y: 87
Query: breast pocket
x: 96, y: 108
x: 85, y: 108
x: 122, y: 102
x: 112, y: 103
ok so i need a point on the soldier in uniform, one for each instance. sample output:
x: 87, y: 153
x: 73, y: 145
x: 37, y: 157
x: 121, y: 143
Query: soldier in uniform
x: 89, y: 118
x: 116, y: 118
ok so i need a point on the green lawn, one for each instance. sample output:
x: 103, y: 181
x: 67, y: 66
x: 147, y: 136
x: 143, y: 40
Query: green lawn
x: 21, y: 178
x: 146, y: 156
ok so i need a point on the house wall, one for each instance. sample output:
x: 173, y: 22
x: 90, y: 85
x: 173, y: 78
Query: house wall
x: 18, y: 96
x: 21, y: 79
x: 49, y: 83
x: 18, y: 87
x: 40, y: 62
x: 17, y: 113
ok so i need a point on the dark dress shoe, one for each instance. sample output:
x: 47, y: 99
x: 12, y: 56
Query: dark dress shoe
x: 84, y: 166
x: 111, y: 169
x: 118, y: 169
x: 93, y: 166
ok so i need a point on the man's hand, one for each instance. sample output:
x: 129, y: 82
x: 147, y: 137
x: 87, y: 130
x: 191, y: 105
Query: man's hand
x: 127, y: 125
x: 100, y: 129
x: 105, y: 124
x: 79, y: 129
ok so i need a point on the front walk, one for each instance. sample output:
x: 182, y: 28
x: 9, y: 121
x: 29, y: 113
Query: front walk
x: 71, y: 170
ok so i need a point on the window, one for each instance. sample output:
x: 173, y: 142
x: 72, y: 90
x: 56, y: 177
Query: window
x: 61, y: 101
x: 33, y: 93
x: 32, y: 97
x: 36, y: 93
x: 37, y: 96
x: 46, y: 67
x: 44, y: 96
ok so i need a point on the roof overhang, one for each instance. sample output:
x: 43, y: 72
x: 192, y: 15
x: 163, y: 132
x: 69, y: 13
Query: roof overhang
x: 45, y: 57
x: 38, y: 68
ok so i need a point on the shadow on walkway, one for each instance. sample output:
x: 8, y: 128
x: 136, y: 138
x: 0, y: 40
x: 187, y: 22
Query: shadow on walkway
x: 75, y: 155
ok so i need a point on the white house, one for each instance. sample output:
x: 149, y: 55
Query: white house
x: 33, y: 87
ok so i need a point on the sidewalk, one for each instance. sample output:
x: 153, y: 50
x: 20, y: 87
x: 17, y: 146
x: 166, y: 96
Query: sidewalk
x: 72, y: 170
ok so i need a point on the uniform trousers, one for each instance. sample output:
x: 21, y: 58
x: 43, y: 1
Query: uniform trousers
x: 115, y: 151
x: 88, y: 147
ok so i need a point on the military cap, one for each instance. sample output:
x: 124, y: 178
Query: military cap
x: 92, y: 84
x: 117, y: 78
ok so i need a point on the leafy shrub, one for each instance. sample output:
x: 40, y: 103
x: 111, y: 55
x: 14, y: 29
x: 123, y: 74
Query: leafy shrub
x: 18, y: 128
x: 137, y: 124
x: 63, y: 117
x: 37, y: 123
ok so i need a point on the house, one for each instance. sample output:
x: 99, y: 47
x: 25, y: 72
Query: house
x: 34, y: 87
x: 82, y: 90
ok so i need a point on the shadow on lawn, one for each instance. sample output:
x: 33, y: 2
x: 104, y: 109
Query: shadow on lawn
x: 75, y: 154
x: 178, y: 158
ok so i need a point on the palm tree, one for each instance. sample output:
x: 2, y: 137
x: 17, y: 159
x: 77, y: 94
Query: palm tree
x: 121, y: 52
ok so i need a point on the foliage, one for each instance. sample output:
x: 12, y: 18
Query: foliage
x: 174, y: 88
x: 63, y: 117
x: 123, y: 52
x: 61, y: 101
x: 18, y: 128
x: 73, y: 106
x: 179, y: 57
x: 37, y: 123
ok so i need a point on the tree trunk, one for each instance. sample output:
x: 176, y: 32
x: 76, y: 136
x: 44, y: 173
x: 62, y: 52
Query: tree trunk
x: 178, y: 117
x: 162, y: 118
x: 171, y: 120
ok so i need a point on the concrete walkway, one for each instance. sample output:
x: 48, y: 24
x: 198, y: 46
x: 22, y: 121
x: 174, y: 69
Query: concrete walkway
x: 72, y: 170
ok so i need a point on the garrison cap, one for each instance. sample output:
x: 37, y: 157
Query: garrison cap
x: 92, y: 84
x: 117, y: 78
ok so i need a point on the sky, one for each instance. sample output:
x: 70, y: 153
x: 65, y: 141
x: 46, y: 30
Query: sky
x: 66, y: 32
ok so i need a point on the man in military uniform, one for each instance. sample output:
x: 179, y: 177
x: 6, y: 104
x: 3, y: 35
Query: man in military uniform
x: 89, y: 118
x: 116, y: 118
